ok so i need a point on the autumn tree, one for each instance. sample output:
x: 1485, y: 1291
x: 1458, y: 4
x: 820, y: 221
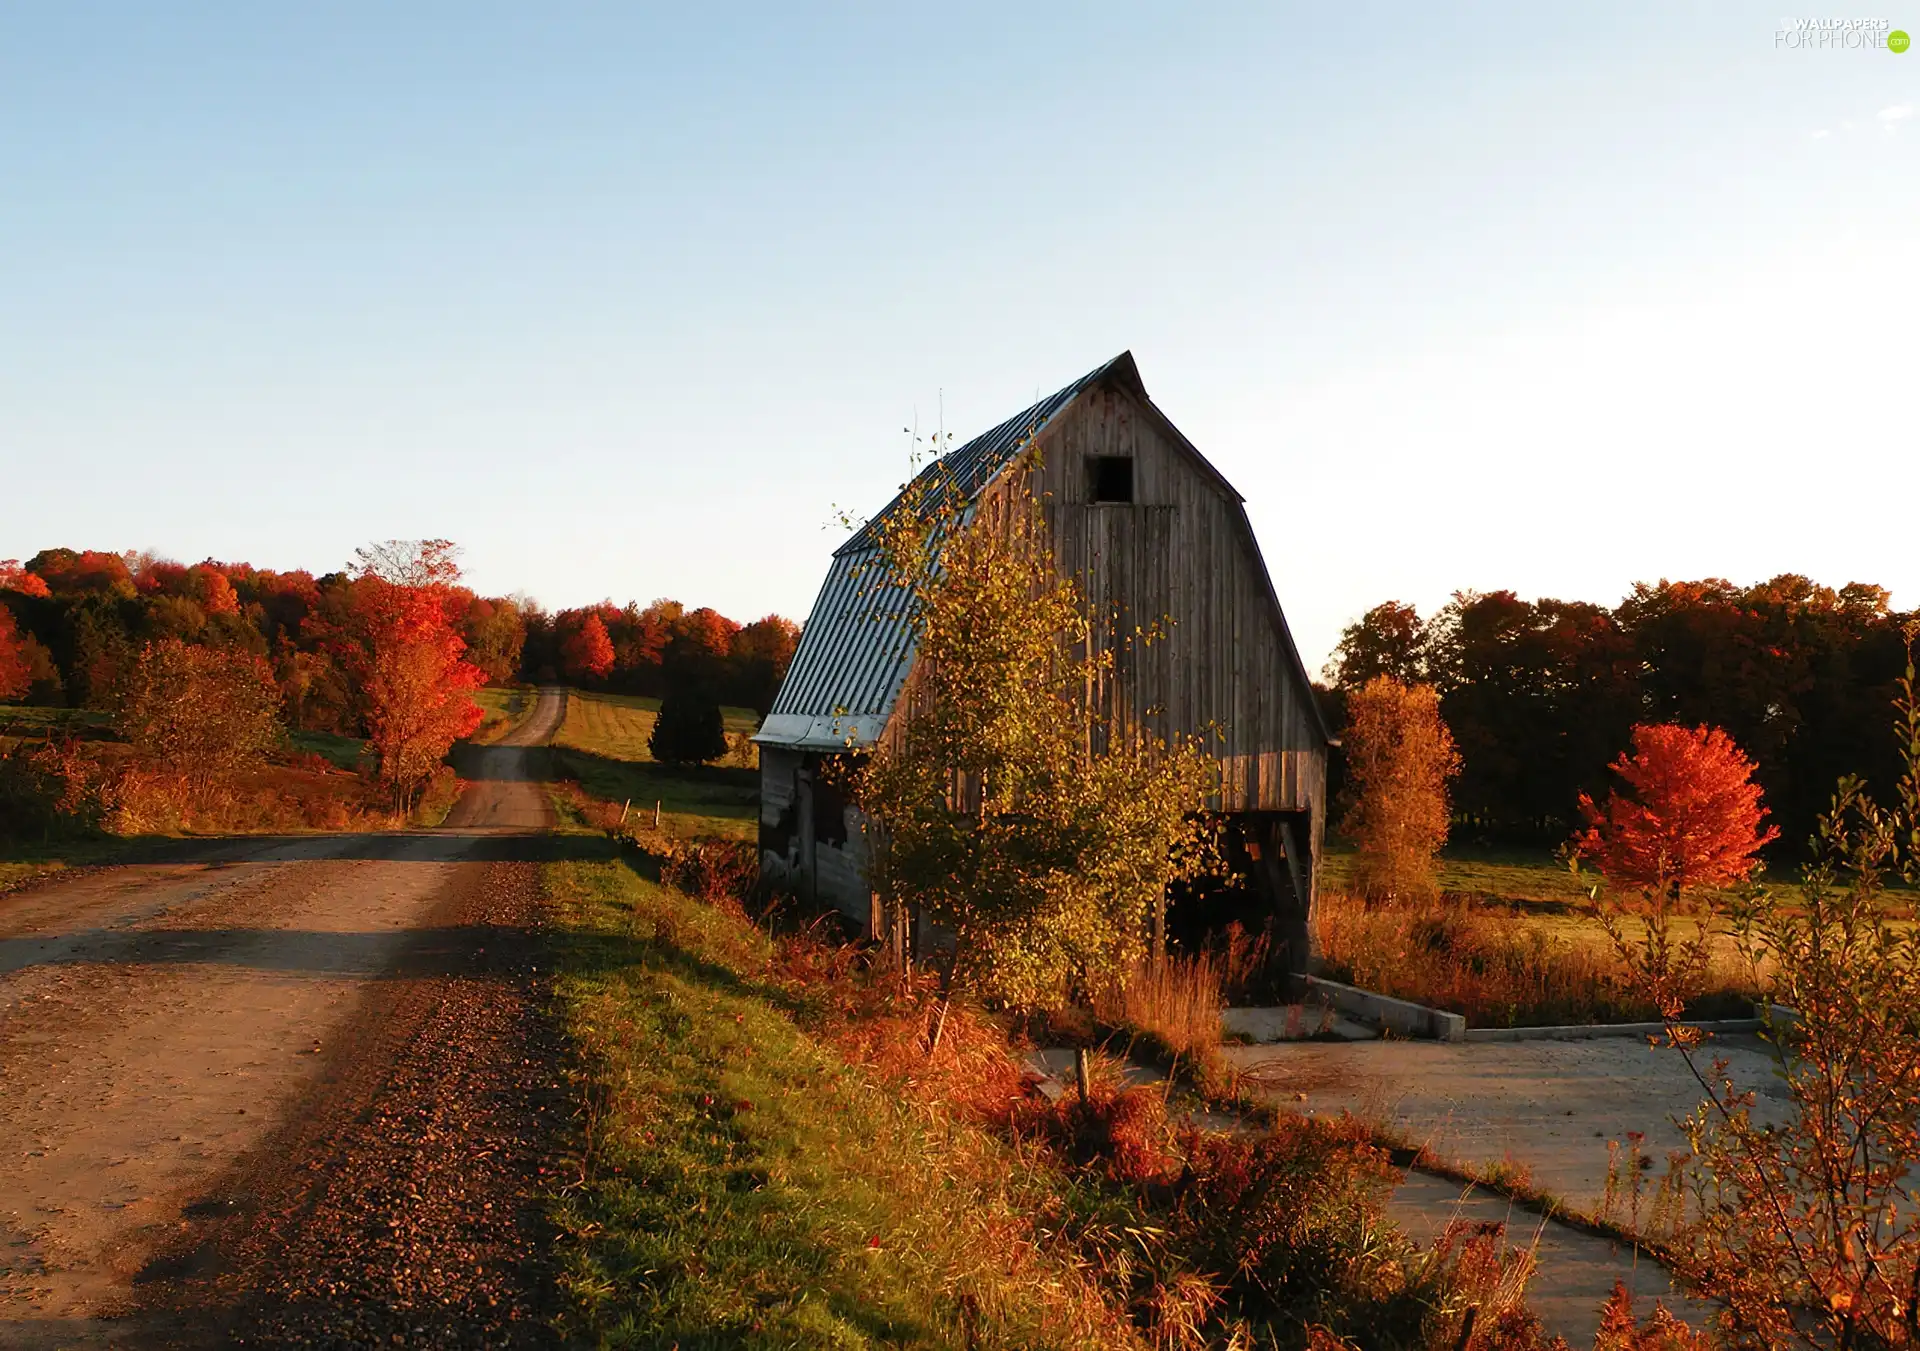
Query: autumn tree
x: 1400, y: 758
x: 87, y: 571
x: 496, y: 633
x: 1805, y: 1225
x: 13, y: 577
x: 761, y: 653
x: 16, y: 671
x: 205, y: 713
x: 410, y: 661
x: 1689, y: 816
x: 1010, y: 812
x: 586, y: 653
x: 1388, y: 640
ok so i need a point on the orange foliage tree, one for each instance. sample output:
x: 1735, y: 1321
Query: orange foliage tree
x: 205, y: 713
x: 13, y: 577
x: 16, y: 673
x: 214, y: 592
x: 1692, y: 818
x: 587, y: 651
x: 1400, y: 758
x: 411, y: 660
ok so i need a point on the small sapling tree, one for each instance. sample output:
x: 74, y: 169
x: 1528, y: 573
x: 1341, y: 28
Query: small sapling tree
x: 1400, y: 758
x: 1805, y: 1222
x: 408, y: 655
x: 1040, y: 833
x: 1689, y: 817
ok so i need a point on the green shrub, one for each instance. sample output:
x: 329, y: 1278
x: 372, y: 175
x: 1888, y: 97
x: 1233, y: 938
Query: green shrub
x: 690, y: 730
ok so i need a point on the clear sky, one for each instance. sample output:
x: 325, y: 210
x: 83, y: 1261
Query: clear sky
x: 627, y: 299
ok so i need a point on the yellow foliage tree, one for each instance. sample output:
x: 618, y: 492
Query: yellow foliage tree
x: 1010, y: 812
x: 1400, y: 758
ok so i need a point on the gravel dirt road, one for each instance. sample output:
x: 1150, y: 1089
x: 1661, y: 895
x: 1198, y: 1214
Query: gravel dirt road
x: 296, y: 1091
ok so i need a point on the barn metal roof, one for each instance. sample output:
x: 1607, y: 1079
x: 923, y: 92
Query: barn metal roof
x: 857, y: 648
x: 973, y: 466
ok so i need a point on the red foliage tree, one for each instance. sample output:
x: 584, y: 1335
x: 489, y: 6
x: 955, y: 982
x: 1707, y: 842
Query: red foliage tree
x: 13, y: 577
x: 212, y: 589
x: 1693, y: 817
x: 73, y: 572
x: 16, y: 672
x: 410, y: 660
x: 587, y: 652
x: 705, y: 634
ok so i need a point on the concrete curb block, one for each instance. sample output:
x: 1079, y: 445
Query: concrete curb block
x: 1392, y: 1015
x: 1586, y: 1031
x: 1778, y: 1015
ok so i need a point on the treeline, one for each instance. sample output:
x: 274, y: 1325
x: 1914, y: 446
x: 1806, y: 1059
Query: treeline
x: 73, y: 624
x: 662, y: 649
x: 1541, y: 696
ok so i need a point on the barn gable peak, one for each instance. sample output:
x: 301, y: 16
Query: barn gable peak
x: 856, y: 651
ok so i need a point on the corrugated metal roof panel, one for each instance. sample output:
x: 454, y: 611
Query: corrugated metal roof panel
x: 856, y: 648
x: 973, y: 466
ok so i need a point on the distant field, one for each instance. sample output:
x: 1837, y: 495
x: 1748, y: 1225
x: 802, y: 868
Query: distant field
x: 505, y: 706
x: 1535, y: 886
x: 342, y: 752
x: 603, y: 743
x: 624, y: 722
x: 23, y: 722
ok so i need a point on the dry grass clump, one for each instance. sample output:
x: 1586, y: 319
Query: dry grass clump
x: 1496, y: 969
x: 1118, y: 1130
x: 1205, y: 1239
x: 70, y: 789
x: 1174, y: 1000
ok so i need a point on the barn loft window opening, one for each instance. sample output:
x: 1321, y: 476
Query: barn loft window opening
x: 1110, y: 478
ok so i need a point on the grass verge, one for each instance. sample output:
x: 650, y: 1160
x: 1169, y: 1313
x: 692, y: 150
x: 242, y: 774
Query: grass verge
x: 737, y: 1183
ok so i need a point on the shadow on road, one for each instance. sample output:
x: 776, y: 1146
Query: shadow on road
x: 380, y: 954
x: 401, y: 846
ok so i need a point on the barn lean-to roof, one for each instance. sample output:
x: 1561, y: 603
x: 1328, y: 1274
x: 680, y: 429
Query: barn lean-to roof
x: 856, y: 650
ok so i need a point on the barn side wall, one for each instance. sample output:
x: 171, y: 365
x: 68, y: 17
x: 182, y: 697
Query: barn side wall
x: 1182, y: 559
x: 780, y: 816
x: 811, y: 839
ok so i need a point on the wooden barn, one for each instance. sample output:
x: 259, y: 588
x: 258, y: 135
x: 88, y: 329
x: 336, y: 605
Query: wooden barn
x: 1149, y: 528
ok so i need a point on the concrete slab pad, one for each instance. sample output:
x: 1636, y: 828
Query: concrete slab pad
x: 1574, y: 1272
x: 1547, y: 1106
x: 1293, y: 1022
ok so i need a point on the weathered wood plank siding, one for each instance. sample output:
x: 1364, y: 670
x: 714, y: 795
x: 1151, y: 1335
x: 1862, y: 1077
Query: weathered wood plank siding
x: 1181, y: 557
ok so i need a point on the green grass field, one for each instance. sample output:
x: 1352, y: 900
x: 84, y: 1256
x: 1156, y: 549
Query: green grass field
x: 603, y: 743
x: 342, y: 752
x: 736, y: 1183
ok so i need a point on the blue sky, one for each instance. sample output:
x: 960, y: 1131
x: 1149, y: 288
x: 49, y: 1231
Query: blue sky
x: 629, y: 299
